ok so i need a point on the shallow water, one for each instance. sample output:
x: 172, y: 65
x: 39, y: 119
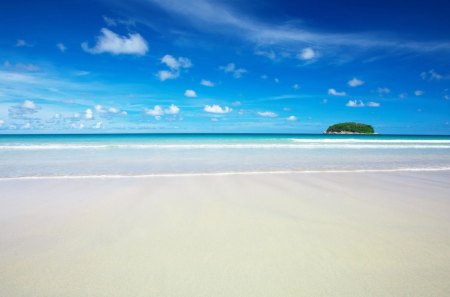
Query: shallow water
x: 144, y: 154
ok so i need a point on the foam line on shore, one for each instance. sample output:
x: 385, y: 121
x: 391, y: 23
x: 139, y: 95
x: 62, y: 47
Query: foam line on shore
x: 227, y: 173
x: 223, y: 146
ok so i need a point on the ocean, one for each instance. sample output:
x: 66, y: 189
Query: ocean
x: 117, y: 155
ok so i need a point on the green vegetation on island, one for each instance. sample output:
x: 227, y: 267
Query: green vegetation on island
x: 350, y: 128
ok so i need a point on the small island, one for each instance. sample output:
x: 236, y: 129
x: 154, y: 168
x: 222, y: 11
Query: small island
x: 350, y: 128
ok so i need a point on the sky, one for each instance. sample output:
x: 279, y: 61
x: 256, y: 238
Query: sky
x: 163, y: 66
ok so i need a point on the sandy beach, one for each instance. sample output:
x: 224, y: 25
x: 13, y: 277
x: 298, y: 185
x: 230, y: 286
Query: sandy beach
x: 324, y: 234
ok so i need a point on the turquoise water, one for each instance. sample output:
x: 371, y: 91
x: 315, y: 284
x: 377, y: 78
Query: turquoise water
x: 147, y: 154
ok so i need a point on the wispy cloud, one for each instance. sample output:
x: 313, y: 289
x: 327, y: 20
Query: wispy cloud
x: 270, y: 54
x: 418, y: 92
x: 20, y: 111
x: 231, y: 68
x: 113, y: 22
x: 383, y: 91
x: 110, y: 42
x: 268, y: 114
x: 217, y: 17
x: 360, y: 103
x: 431, y: 75
x: 373, y: 104
x: 21, y: 67
x: 333, y: 92
x: 61, y: 47
x: 23, y: 43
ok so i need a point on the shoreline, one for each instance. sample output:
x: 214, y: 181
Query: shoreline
x: 225, y: 173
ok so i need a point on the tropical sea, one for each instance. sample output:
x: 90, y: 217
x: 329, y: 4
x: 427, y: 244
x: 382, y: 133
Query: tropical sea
x: 116, y: 155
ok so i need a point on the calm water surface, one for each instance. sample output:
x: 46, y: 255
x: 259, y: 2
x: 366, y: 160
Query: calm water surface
x: 142, y: 154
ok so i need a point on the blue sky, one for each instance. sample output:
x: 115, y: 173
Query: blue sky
x: 223, y: 66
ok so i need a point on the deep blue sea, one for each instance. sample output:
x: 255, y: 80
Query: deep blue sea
x: 154, y: 154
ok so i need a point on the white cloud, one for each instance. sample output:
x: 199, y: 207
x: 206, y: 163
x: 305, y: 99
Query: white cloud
x: 207, y: 83
x: 296, y: 86
x: 2, y: 122
x: 355, y: 103
x: 166, y: 74
x: 268, y: 114
x: 354, y: 82
x: 99, y: 108
x: 173, y: 109
x: 292, y: 118
x: 419, y: 92
x: 217, y: 109
x: 307, y: 54
x: 155, y: 111
x: 373, y: 104
x: 174, y: 65
x: 231, y: 68
x: 98, y: 125
x: 29, y: 104
x: 190, y: 93
x: 333, y: 92
x: 113, y: 110
x: 236, y: 103
x: 61, y: 47
x: 110, y: 42
x: 88, y: 114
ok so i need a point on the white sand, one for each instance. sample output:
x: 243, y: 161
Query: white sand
x: 365, y: 234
